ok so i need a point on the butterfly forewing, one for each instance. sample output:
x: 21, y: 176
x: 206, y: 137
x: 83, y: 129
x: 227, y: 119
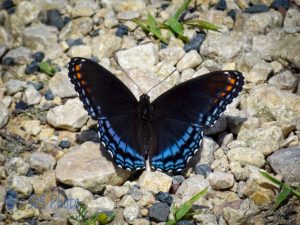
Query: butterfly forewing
x: 181, y: 114
x: 110, y: 102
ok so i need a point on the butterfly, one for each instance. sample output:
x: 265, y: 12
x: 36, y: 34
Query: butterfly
x: 168, y: 130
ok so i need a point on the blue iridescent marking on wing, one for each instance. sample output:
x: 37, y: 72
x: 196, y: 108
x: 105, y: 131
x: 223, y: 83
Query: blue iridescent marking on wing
x: 124, y: 155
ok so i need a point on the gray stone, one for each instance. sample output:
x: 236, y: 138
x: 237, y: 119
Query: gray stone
x: 155, y: 181
x: 4, y: 115
x: 131, y: 213
x: 116, y: 192
x: 80, y: 195
x: 259, y: 72
x: 220, y: 180
x: 17, y: 166
x: 20, y: 55
x: 84, y: 8
x: 70, y: 116
x: 50, y: 4
x: 246, y: 156
x: 104, y: 45
x: 61, y: 86
x: 128, y: 5
x: 247, y: 60
x: 284, y: 81
x: 141, y: 222
x: 31, y: 96
x: 27, y: 11
x: 223, y: 45
x: 110, y: 19
x: 13, y: 86
x: 208, y: 148
x: 20, y: 184
x: 159, y: 212
x: 206, y: 219
x: 190, y: 60
x: 126, y: 201
x: 101, y: 204
x: 265, y: 140
x: 128, y: 15
x: 142, y: 56
x: 43, y: 183
x: 24, y: 213
x: 6, y: 39
x: 41, y: 161
x: 286, y: 162
x: 40, y: 37
x: 292, y: 21
x: 84, y: 51
x: 77, y: 28
x: 32, y: 127
x: 171, y: 55
x: 219, y: 126
x: 87, y: 167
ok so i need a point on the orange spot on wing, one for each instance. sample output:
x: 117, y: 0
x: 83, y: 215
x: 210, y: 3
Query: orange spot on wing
x: 78, y: 75
x: 231, y: 80
x: 223, y: 94
x: 77, y: 67
x: 83, y: 82
x: 229, y: 88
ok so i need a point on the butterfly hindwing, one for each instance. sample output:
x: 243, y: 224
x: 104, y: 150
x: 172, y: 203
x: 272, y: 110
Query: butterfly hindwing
x: 110, y: 102
x: 184, y: 111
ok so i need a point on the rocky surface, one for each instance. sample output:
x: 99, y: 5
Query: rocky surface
x: 49, y: 148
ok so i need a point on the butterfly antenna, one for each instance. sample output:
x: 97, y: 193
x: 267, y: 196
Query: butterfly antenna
x: 161, y: 81
x: 127, y: 74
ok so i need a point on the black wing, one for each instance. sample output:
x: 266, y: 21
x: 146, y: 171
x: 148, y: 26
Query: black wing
x: 110, y: 102
x: 181, y: 114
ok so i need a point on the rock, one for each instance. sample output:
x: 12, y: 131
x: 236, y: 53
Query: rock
x: 110, y: 19
x: 266, y: 101
x: 247, y: 60
x: 84, y: 8
x: 159, y: 212
x: 25, y: 213
x: 32, y: 127
x: 128, y: 5
x: 4, y: 115
x: 246, y: 156
x: 219, y: 126
x: 240, y: 173
x: 259, y: 72
x: 155, y: 181
x: 116, y: 192
x: 70, y: 116
x: 146, y: 199
x: 128, y: 15
x: 5, y: 37
x: 202, y: 169
x: 164, y: 197
x: 105, y: 45
x: 223, y: 45
x: 87, y: 167
x: 101, y: 204
x: 77, y: 28
x: 195, y: 43
x: 191, y: 186
x: 17, y: 166
x: 284, y: 81
x: 12, y: 86
x: 80, y: 194
x: 206, y: 219
x: 142, y: 56
x: 61, y: 86
x: 207, y: 152
x: 122, y: 30
x: 20, y: 55
x: 43, y: 183
x: 55, y: 19
x: 141, y: 222
x: 126, y: 201
x: 40, y: 37
x: 171, y: 55
x: 31, y: 96
x: 84, y: 51
x: 41, y: 161
x: 50, y: 4
x: 27, y: 11
x: 291, y: 23
x: 286, y: 163
x: 19, y: 184
x: 265, y: 140
x: 131, y: 213
x: 220, y: 180
x: 190, y: 60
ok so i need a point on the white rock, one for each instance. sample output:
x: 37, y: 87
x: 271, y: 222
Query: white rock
x: 84, y: 51
x: 19, y: 184
x: 220, y: 180
x: 16, y: 165
x: 61, y: 86
x: 13, y: 86
x: 101, y: 204
x: 41, y: 161
x: 32, y: 127
x: 171, y: 55
x: 246, y: 156
x: 31, y: 96
x: 4, y: 114
x: 190, y: 60
x: 155, y: 181
x: 131, y: 213
x: 70, y: 116
x: 142, y: 56
x: 259, y: 72
x: 84, y: 8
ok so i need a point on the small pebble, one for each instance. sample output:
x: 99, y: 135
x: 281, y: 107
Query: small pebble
x: 38, y: 56
x: 159, y: 212
x: 202, y: 169
x: 177, y: 179
x: 49, y: 96
x: 185, y: 222
x: 164, y: 197
x: 21, y: 105
x: 54, y: 19
x: 257, y: 9
x: 232, y: 14
x: 10, y: 199
x: 95, y: 33
x: 74, y: 42
x: 7, y: 4
x: 276, y: 4
x: 32, y: 67
x: 8, y: 61
x: 195, y: 43
x: 38, y: 86
x: 64, y: 144
x: 221, y: 5
x: 122, y: 30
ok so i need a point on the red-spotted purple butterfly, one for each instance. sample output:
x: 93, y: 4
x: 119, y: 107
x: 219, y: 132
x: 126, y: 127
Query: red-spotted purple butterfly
x: 168, y: 130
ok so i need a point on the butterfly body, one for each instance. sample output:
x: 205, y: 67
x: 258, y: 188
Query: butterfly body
x: 167, y: 130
